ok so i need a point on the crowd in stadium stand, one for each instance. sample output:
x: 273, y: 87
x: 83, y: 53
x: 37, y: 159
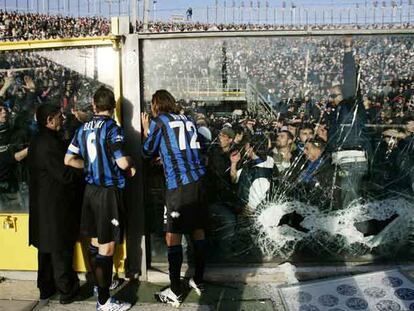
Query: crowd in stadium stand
x: 16, y: 26
x: 290, y: 72
x: 160, y: 26
x: 283, y: 141
x: 297, y: 152
x: 28, y: 80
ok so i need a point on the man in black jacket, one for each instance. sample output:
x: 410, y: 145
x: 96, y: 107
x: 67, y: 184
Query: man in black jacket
x: 54, y: 210
x: 317, y: 183
x: 348, y: 140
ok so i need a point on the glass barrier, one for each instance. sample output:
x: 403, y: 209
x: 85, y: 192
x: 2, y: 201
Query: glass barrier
x: 321, y: 129
x: 64, y: 77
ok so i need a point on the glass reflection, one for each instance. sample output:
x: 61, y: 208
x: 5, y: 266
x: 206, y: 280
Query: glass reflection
x: 308, y: 142
x: 65, y: 77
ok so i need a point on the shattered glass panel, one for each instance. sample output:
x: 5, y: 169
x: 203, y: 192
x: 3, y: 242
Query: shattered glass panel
x: 308, y: 143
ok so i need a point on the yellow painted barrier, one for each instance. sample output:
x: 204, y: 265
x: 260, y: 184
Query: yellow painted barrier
x: 16, y: 253
x: 57, y: 43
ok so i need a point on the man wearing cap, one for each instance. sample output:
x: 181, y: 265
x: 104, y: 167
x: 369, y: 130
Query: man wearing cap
x: 219, y: 164
x: 221, y: 191
x: 253, y: 181
x: 255, y: 175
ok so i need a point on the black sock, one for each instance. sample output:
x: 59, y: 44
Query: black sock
x: 199, y: 260
x: 175, y: 260
x: 93, y: 251
x: 103, y: 276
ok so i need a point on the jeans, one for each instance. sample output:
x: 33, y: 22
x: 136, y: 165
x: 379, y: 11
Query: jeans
x: 351, y: 175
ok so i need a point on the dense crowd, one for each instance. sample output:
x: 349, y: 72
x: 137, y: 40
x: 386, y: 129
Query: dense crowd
x: 254, y: 162
x: 293, y: 74
x: 26, y: 82
x: 16, y: 26
x: 322, y: 148
x: 160, y: 26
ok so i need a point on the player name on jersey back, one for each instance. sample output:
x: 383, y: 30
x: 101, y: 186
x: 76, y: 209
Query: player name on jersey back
x: 94, y: 124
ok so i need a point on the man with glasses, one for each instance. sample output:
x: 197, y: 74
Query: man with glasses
x: 347, y: 136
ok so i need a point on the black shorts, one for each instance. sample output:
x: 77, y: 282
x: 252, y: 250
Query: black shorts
x: 185, y: 208
x: 102, y: 212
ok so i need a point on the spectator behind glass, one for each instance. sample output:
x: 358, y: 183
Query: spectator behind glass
x: 306, y: 132
x: 282, y: 152
x: 255, y: 175
x: 389, y: 174
x: 9, y: 157
x: 315, y: 182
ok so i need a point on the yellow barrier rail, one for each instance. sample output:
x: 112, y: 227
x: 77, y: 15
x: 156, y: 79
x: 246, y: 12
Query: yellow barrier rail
x: 58, y: 43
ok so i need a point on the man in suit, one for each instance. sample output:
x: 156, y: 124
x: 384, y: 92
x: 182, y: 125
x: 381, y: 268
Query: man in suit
x: 54, y: 212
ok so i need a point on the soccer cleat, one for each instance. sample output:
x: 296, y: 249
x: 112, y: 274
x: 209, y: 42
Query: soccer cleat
x: 115, y: 283
x: 113, y: 305
x: 168, y: 296
x: 95, y: 291
x: 198, y: 288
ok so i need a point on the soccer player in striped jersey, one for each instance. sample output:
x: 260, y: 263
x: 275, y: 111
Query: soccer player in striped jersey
x: 100, y: 144
x: 174, y: 138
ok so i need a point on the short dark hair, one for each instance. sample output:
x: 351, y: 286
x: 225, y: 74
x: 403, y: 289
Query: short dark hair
x: 45, y: 111
x: 289, y: 134
x: 104, y: 99
x: 238, y: 129
x: 259, y: 144
x: 164, y: 102
x: 307, y: 126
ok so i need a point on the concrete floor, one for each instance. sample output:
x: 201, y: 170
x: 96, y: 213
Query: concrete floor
x: 226, y: 290
x: 16, y: 295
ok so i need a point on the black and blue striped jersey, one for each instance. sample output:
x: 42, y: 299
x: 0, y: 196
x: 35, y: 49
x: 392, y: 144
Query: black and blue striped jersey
x: 175, y: 138
x: 99, y: 143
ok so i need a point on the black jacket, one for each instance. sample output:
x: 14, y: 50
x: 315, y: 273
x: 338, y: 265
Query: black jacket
x: 347, y: 122
x: 55, y: 193
x: 322, y: 190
